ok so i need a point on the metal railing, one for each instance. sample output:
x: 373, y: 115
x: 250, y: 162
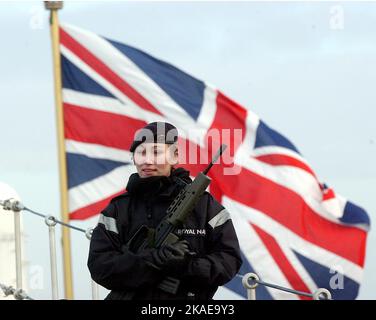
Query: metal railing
x: 51, y: 221
x: 250, y: 281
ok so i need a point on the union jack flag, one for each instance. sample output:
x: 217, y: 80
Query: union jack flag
x: 293, y: 230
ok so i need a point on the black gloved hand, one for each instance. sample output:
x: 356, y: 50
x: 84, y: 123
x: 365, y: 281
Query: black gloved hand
x: 171, y: 256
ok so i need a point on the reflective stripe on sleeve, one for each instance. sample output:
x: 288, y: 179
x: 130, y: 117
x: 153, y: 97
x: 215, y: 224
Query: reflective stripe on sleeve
x: 220, y: 218
x: 109, y: 223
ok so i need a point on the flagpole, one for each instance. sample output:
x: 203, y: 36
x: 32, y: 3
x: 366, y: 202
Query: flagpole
x: 54, y: 6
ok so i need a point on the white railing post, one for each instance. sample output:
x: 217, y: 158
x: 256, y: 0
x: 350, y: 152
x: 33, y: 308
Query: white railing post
x: 17, y: 237
x: 94, y: 285
x: 16, y: 207
x: 51, y: 223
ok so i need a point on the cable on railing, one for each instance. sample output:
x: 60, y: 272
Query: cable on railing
x: 55, y: 220
x: 15, y: 205
x: 18, y: 294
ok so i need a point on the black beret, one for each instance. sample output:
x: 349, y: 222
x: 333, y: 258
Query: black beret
x: 155, y: 132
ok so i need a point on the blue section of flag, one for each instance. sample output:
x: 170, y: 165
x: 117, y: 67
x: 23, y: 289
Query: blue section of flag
x: 266, y: 136
x: 344, y: 288
x: 75, y: 79
x: 185, y: 90
x: 236, y: 283
x: 354, y: 214
x: 82, y: 168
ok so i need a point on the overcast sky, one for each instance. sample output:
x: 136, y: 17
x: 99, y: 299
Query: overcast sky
x: 307, y: 69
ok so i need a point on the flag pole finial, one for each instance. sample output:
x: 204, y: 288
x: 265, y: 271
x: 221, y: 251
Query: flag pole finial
x: 53, y: 5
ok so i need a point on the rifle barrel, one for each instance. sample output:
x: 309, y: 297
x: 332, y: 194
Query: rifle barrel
x: 222, y: 148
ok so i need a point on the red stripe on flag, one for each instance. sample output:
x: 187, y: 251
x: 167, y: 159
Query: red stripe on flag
x: 328, y: 194
x: 216, y: 191
x: 102, y: 69
x: 92, y: 209
x: 104, y: 128
x: 283, y: 263
x: 283, y: 160
x: 195, y: 160
x: 192, y: 157
x: 228, y: 117
x: 289, y: 209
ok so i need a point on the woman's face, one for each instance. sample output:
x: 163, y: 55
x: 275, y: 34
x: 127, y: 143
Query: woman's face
x: 155, y: 159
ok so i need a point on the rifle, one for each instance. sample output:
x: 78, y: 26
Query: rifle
x: 176, y: 214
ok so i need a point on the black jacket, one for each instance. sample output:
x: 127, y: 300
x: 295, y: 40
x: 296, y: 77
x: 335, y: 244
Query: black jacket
x: 208, y: 230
